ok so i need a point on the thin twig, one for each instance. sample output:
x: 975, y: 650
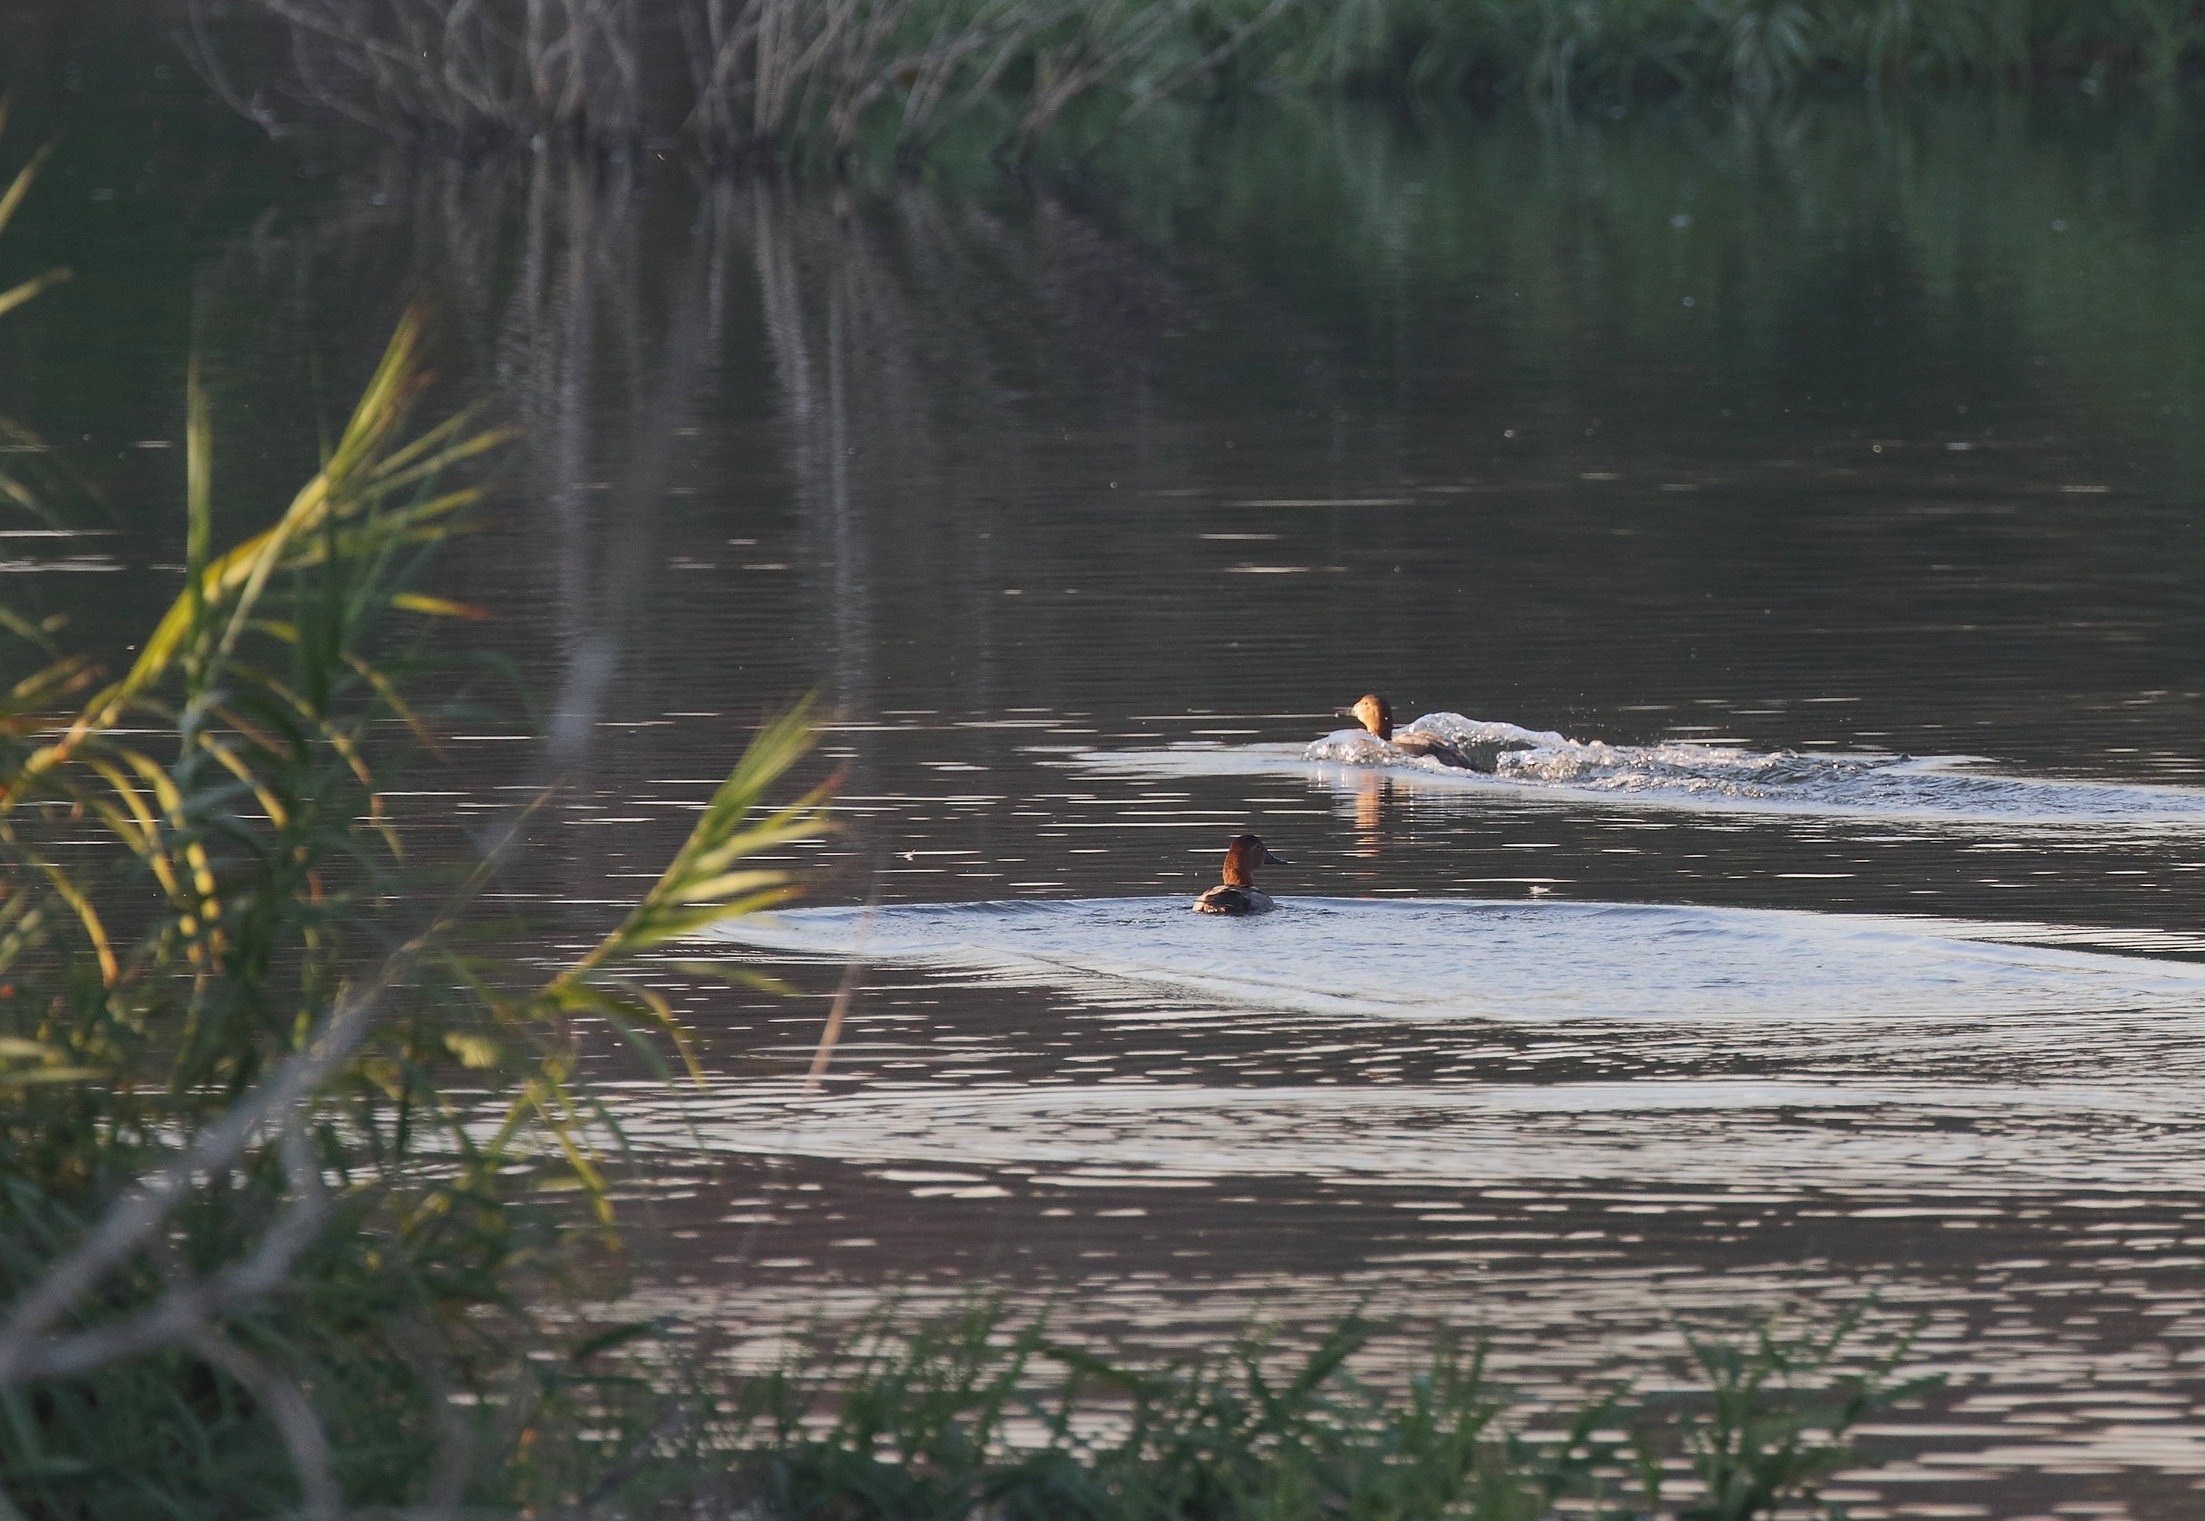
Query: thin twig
x: 831, y: 1035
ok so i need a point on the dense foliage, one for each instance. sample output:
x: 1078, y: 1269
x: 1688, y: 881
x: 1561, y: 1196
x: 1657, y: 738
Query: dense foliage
x: 822, y: 84
x: 1560, y: 49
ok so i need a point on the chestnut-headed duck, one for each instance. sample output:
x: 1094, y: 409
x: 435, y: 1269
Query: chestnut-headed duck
x: 1238, y: 893
x: 1375, y: 714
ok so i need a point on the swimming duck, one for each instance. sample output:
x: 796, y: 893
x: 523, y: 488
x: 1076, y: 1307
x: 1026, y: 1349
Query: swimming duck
x: 1238, y: 893
x: 1376, y: 714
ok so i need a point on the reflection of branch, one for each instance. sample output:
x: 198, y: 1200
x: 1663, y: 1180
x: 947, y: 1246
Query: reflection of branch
x: 831, y: 1035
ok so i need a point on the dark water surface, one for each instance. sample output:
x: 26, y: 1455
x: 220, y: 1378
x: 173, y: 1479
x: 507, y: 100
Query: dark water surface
x: 1813, y: 442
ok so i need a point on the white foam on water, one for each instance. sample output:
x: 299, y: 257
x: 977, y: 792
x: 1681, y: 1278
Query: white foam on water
x: 1513, y: 960
x: 1934, y: 789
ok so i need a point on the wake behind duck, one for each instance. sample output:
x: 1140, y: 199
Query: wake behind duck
x: 1427, y: 958
x: 1452, y: 742
x: 1447, y: 756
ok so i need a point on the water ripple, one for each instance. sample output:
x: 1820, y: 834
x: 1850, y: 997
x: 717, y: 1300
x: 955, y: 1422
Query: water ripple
x: 1702, y: 1139
x: 1538, y: 960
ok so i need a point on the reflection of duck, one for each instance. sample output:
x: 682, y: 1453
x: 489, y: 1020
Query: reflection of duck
x: 1238, y: 894
x: 1371, y: 790
x: 1376, y: 714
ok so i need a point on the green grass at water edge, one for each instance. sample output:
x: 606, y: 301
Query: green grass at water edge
x: 986, y: 1414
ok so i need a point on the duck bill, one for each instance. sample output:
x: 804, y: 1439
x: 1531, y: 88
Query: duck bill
x: 1347, y: 713
x: 1272, y: 860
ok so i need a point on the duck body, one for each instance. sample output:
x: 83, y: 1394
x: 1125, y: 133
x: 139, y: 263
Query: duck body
x: 1238, y: 893
x: 1375, y: 714
x: 1484, y: 757
x: 1225, y: 898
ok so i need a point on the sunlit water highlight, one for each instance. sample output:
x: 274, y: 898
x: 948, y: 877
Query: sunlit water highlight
x: 1930, y: 790
x: 1505, y: 960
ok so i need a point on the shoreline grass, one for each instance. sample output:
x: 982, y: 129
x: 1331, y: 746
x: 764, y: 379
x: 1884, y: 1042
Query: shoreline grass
x: 987, y: 1415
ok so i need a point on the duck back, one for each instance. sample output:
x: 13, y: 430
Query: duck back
x: 1229, y: 899
x: 1482, y: 755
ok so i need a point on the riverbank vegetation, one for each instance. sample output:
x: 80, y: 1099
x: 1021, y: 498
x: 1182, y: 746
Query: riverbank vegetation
x: 822, y: 85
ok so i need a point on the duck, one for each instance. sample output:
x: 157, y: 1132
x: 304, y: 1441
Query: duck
x: 1238, y: 893
x: 1375, y: 714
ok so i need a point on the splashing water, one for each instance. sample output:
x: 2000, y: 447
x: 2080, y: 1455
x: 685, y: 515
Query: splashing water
x: 1360, y: 747
x: 1536, y: 763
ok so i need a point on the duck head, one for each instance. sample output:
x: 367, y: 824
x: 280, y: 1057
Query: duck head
x: 1243, y: 856
x: 1373, y: 713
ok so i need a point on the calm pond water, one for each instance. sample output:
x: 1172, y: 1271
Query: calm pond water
x: 1822, y: 488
